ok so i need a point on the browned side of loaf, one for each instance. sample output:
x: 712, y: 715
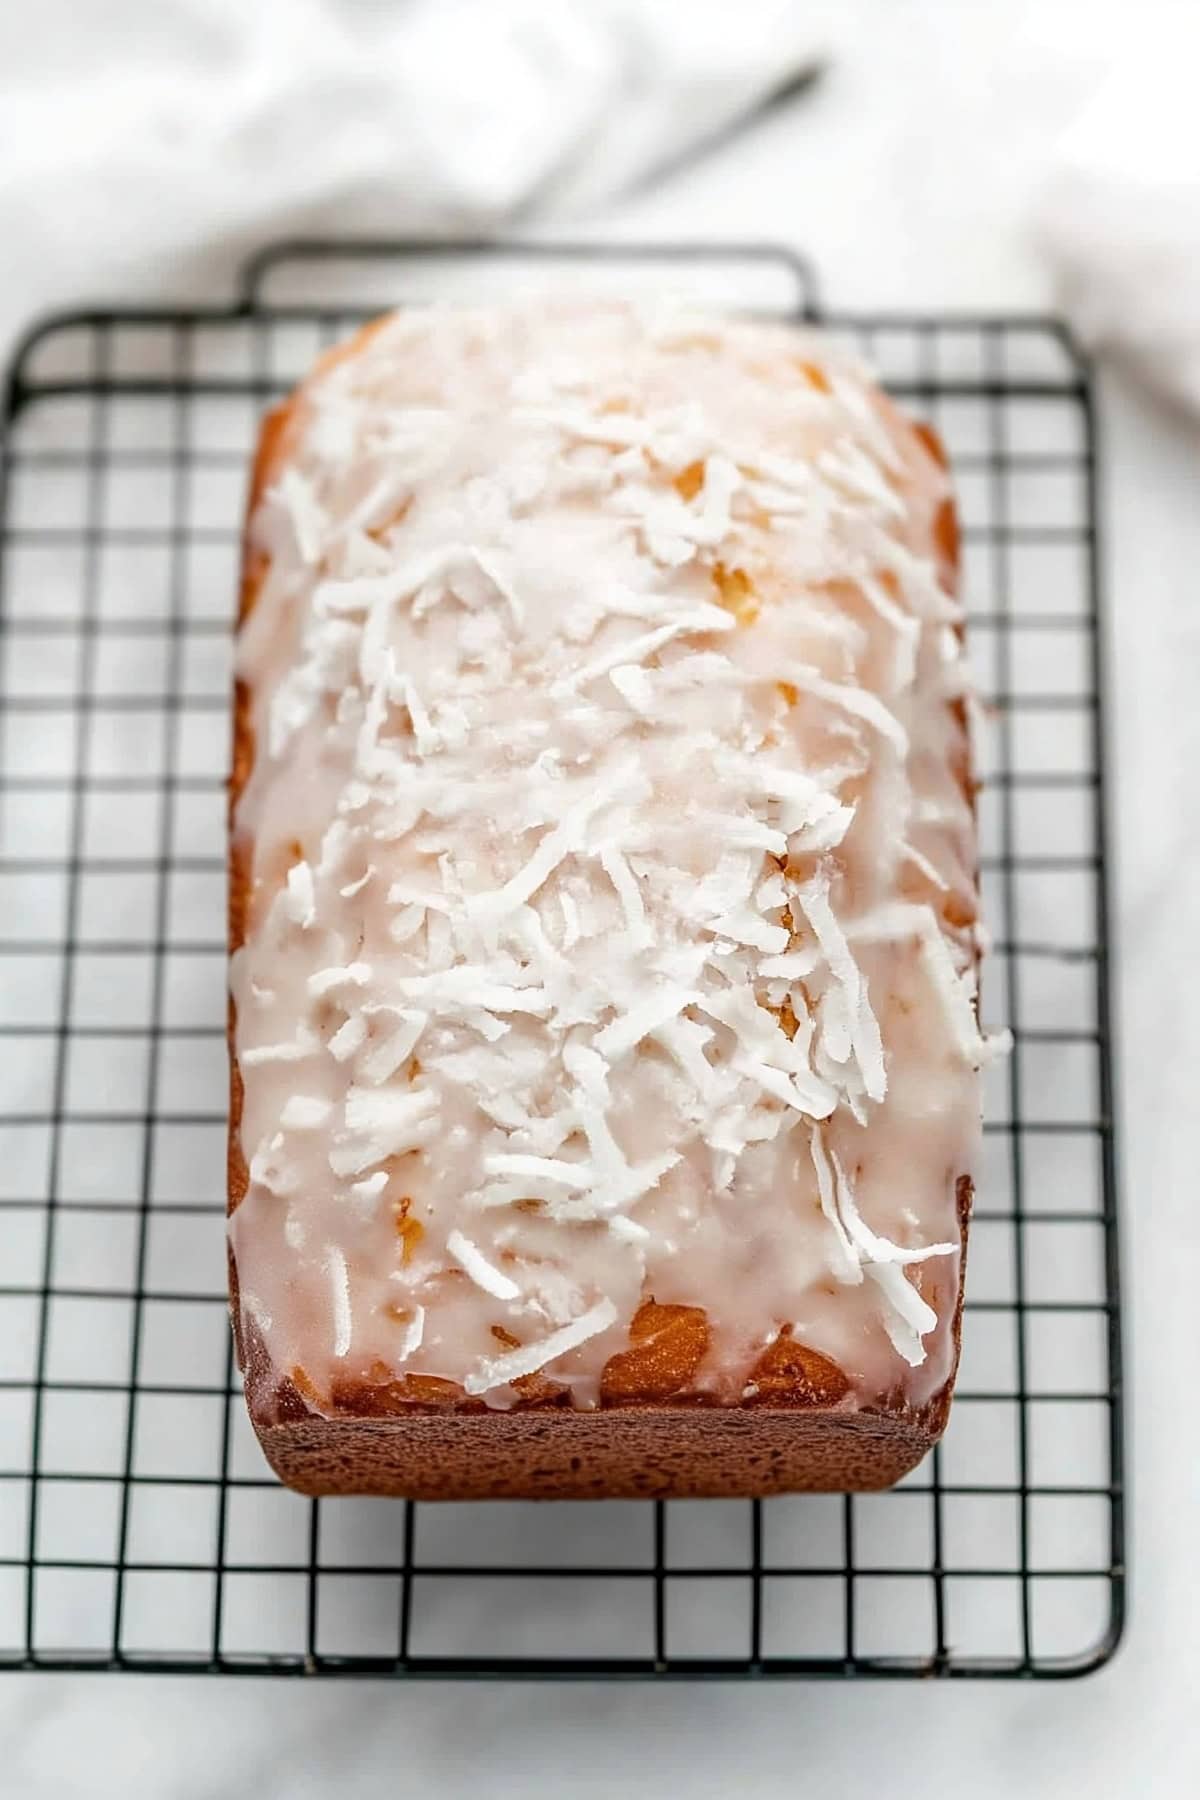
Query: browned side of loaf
x: 651, y: 1435
x: 633, y: 1453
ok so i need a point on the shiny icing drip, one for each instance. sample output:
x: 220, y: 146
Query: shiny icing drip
x: 611, y: 929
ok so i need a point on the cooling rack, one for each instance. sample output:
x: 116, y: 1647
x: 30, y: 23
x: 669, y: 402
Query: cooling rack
x: 139, y: 1526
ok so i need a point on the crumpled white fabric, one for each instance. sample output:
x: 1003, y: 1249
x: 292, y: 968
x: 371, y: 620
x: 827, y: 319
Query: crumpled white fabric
x: 1119, y: 215
x: 146, y: 144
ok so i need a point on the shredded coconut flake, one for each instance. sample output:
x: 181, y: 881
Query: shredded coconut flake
x: 483, y: 1273
x: 851, y: 1026
x: 498, y: 1371
x: 305, y: 1112
x: 343, y: 1320
x: 301, y: 895
x: 920, y: 861
x: 331, y: 981
x: 634, y: 686
x: 542, y: 1168
x: 646, y: 1016
x: 622, y: 878
x: 847, y: 1266
x: 383, y: 1122
x: 356, y: 887
x: 413, y: 1337
x: 348, y: 1038
x: 371, y: 1186
x: 871, y: 1247
x: 381, y: 1063
x: 907, y: 1318
x: 308, y: 518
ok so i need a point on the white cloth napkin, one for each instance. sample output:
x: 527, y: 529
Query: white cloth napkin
x: 1119, y: 217
x: 145, y: 144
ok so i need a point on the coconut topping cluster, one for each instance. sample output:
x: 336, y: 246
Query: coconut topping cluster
x: 612, y: 918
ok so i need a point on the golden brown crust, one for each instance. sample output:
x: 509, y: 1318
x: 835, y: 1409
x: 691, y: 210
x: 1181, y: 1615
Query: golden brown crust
x: 652, y: 1435
x: 666, y: 1347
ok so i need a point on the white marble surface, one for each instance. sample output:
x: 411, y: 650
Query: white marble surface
x: 906, y: 177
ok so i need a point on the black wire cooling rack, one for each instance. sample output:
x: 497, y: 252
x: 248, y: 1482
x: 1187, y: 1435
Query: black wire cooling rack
x: 139, y: 1526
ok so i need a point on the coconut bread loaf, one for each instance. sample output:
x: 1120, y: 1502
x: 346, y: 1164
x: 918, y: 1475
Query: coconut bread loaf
x: 603, y: 915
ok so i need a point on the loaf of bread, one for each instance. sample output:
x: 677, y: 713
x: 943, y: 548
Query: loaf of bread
x: 603, y: 915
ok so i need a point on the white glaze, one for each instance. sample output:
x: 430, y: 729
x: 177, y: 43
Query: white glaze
x: 542, y: 777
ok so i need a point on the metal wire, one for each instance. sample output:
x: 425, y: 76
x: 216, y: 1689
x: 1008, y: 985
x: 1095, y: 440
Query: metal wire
x: 139, y: 1526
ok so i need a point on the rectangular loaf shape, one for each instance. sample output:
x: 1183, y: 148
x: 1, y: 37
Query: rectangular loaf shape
x: 603, y: 915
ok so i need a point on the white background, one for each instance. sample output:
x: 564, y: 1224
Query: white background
x: 907, y: 177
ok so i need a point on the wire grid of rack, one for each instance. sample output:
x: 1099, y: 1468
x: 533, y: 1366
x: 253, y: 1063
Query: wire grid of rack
x: 139, y: 1526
